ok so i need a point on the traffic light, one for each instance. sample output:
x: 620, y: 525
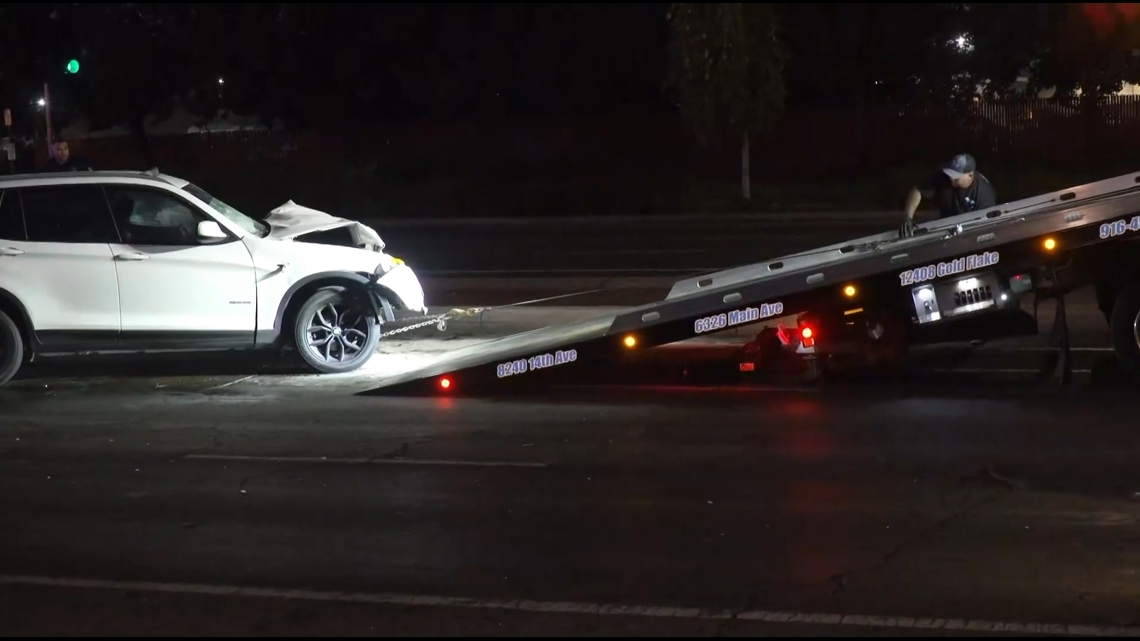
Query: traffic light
x: 73, y: 66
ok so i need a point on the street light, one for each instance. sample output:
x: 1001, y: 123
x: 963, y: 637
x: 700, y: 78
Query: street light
x: 41, y: 102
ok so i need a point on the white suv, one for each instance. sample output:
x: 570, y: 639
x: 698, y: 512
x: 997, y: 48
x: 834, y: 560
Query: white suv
x: 95, y: 262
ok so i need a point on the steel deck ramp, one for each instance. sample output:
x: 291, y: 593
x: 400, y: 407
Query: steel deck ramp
x: 1007, y: 234
x: 512, y: 347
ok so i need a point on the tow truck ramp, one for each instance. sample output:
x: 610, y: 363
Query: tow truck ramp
x: 951, y: 272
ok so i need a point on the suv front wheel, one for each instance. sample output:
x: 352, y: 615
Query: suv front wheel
x: 336, y: 332
x: 11, y: 348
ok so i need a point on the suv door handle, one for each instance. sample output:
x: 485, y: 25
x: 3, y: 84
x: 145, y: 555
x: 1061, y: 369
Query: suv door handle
x: 11, y: 251
x: 131, y: 256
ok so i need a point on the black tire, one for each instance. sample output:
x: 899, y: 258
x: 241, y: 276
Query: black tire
x: 11, y: 348
x: 1125, y: 322
x: 1105, y: 301
x: 353, y: 317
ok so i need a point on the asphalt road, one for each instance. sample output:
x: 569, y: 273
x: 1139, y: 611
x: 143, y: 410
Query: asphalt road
x: 619, y: 246
x: 177, y: 507
x: 234, y: 503
x: 224, y: 500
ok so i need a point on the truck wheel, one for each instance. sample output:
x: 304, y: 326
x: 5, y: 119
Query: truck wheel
x: 336, y: 332
x: 1125, y: 321
x: 11, y: 348
x: 1104, y: 301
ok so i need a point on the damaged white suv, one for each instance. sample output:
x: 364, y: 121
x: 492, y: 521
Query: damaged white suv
x: 101, y: 261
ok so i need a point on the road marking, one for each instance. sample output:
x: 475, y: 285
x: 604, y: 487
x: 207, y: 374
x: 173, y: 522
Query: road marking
x: 682, y: 271
x: 596, y: 609
x: 1008, y: 348
x: 987, y: 370
x: 639, y: 252
x: 358, y: 461
x: 1001, y: 348
x: 751, y: 220
x: 233, y: 382
x: 767, y: 389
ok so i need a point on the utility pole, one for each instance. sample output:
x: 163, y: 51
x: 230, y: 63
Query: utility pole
x: 47, y: 114
x: 10, y: 147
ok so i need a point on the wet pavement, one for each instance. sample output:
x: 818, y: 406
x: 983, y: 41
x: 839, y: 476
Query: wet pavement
x: 235, y: 501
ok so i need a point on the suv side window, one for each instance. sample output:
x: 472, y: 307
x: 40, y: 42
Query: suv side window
x: 66, y: 214
x: 148, y: 216
x: 11, y: 217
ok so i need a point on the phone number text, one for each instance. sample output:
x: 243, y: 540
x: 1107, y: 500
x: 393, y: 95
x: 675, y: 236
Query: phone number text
x: 1120, y: 227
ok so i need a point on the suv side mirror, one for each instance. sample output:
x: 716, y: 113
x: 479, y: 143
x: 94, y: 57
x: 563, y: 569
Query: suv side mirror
x: 211, y: 230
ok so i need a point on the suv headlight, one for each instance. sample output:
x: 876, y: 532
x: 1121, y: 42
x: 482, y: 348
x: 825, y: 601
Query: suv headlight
x: 383, y: 267
x: 387, y: 263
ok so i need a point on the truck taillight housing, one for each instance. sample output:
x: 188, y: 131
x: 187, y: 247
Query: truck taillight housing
x: 807, y: 335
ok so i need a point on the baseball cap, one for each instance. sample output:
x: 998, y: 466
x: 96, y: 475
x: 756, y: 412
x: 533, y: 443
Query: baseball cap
x: 959, y: 165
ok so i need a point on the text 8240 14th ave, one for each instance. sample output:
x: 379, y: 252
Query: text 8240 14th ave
x: 541, y: 361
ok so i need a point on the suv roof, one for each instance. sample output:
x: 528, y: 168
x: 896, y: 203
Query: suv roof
x: 83, y: 177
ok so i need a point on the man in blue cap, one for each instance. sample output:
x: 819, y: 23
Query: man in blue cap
x: 957, y: 188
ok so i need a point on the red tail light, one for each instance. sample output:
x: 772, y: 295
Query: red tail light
x: 445, y: 383
x: 807, y: 335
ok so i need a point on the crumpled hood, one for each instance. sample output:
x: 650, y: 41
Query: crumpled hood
x: 292, y: 220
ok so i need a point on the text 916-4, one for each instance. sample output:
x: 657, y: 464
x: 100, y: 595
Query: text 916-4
x: 542, y: 361
x: 1119, y: 227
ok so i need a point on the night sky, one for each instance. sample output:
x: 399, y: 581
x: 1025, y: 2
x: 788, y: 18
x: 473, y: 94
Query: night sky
x: 313, y: 63
x: 337, y: 63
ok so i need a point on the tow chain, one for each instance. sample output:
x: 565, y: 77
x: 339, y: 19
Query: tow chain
x: 440, y: 320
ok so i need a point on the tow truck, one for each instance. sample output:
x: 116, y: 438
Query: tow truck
x: 959, y: 278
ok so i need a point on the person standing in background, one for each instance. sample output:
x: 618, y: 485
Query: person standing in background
x: 60, y: 159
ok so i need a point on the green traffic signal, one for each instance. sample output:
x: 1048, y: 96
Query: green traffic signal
x: 73, y: 66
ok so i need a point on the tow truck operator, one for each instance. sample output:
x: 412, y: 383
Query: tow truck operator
x: 957, y: 187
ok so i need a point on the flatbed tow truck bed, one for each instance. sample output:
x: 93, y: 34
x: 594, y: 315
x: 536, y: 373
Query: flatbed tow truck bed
x: 959, y: 278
